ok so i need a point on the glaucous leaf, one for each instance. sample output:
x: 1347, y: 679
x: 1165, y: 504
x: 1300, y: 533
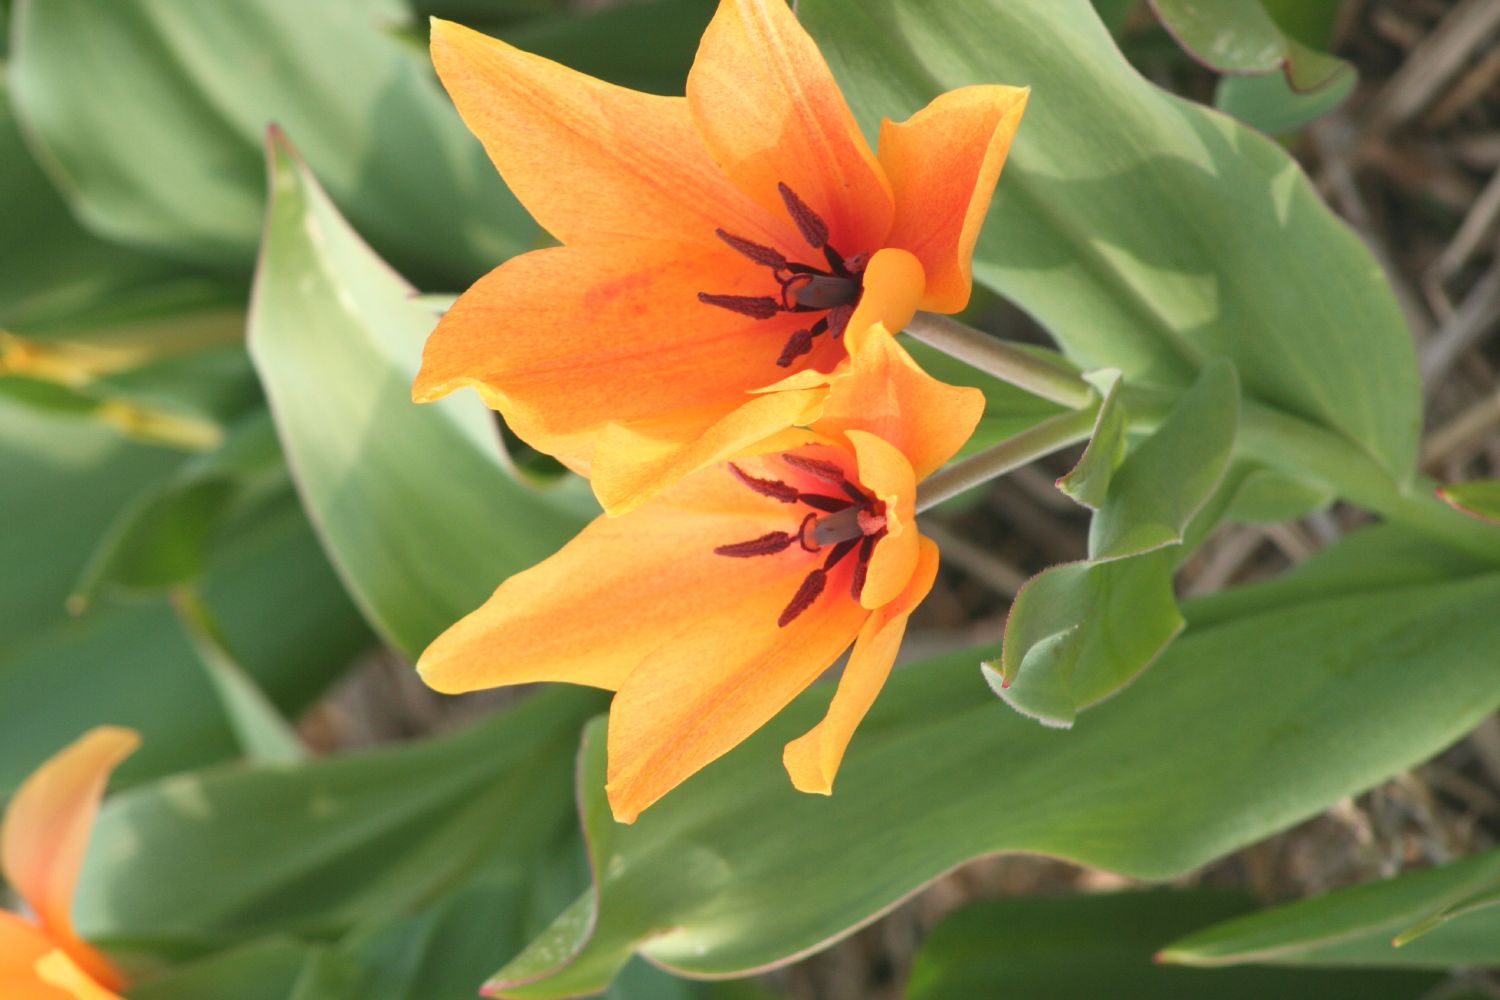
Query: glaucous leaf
x: 413, y: 503
x: 1481, y: 498
x: 1088, y: 481
x: 1242, y: 36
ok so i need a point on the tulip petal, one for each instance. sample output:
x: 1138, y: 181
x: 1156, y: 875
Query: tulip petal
x: 885, y: 471
x: 566, y: 340
x: 886, y: 393
x: 893, y: 284
x: 813, y: 759
x: 708, y: 687
x: 614, y: 594
x: 22, y: 945
x: 943, y: 163
x: 46, y: 831
x: 591, y: 161
x: 636, y: 462
x: 60, y: 971
x: 770, y: 112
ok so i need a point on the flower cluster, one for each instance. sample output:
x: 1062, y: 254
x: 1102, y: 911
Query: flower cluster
x: 712, y: 346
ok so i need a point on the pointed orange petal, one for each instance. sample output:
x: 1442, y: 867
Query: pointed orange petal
x: 885, y: 393
x: 771, y: 113
x: 622, y: 588
x: 634, y: 463
x: 885, y: 472
x: 567, y: 340
x: 46, y: 831
x: 943, y: 163
x: 712, y: 685
x: 591, y: 161
x: 813, y: 759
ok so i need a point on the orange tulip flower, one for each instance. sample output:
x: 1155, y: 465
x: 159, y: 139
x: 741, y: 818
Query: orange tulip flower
x: 711, y: 606
x: 712, y: 244
x: 42, y: 842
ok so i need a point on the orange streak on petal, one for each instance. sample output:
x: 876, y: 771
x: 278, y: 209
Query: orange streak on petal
x: 710, y: 686
x: 884, y: 471
x: 566, y: 340
x: 591, y: 613
x: 591, y: 161
x: 769, y: 109
x: 886, y: 393
x: 46, y: 831
x: 943, y: 163
x: 813, y: 759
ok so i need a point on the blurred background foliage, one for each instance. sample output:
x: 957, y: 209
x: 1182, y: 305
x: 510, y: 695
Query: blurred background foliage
x: 229, y: 528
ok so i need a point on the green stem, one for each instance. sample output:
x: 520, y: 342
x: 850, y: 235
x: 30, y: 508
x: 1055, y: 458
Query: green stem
x: 1050, y: 435
x: 1037, y: 375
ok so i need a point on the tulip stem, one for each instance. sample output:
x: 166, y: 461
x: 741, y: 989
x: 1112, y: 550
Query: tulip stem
x: 1052, y: 434
x: 1035, y: 374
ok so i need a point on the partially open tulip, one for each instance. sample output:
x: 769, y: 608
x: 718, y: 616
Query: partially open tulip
x: 711, y: 606
x: 42, y: 843
x: 711, y: 245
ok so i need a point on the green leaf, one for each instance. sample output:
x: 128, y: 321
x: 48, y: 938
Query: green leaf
x: 1265, y: 496
x: 131, y: 665
x: 325, y: 845
x: 1357, y: 925
x: 1166, y: 479
x: 1146, y: 233
x: 270, y: 969
x: 644, y: 46
x: 413, y: 503
x: 171, y: 162
x: 1270, y: 104
x: 1078, y: 633
x: 1241, y: 36
x: 1088, y: 481
x: 706, y: 882
x: 1481, y: 498
x: 1103, y: 946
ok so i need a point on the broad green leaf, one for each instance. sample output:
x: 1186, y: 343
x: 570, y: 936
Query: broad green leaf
x: 162, y: 539
x: 1266, y: 496
x: 171, y: 162
x: 1270, y: 104
x: 66, y: 479
x: 1146, y: 233
x: 1078, y: 633
x: 413, y: 502
x: 269, y: 969
x: 1481, y: 498
x: 333, y: 842
x: 1103, y: 946
x: 708, y: 882
x: 644, y: 46
x: 1241, y: 36
x: 1166, y: 479
x: 1357, y: 925
x: 1088, y: 481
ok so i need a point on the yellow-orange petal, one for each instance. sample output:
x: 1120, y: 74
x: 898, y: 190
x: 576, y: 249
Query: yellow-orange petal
x: 813, y: 759
x: 46, y: 831
x: 591, y: 161
x: 633, y: 463
x: 770, y: 113
x: 566, y: 340
x: 22, y: 945
x: 885, y: 472
x: 58, y: 970
x: 619, y: 590
x: 893, y: 284
x: 712, y: 685
x: 943, y: 163
x: 885, y: 392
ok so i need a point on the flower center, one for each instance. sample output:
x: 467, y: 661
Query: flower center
x: 849, y: 523
x: 832, y: 290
